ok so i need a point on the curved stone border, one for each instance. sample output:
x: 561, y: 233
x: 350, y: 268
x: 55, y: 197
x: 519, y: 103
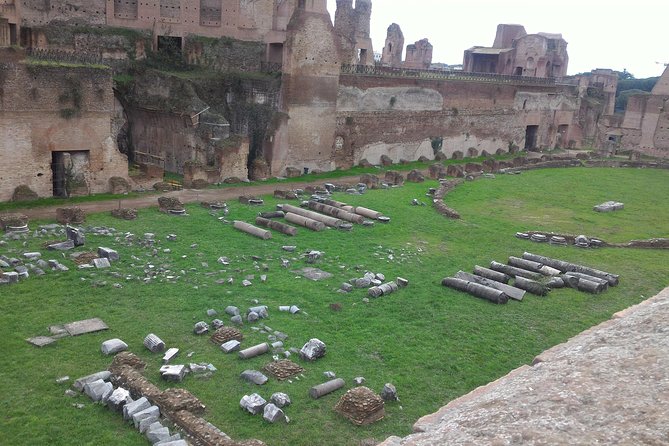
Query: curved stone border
x: 596, y: 388
x: 653, y: 243
x: 444, y: 188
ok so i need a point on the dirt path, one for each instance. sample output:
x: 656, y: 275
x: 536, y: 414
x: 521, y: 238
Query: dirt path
x: 185, y: 196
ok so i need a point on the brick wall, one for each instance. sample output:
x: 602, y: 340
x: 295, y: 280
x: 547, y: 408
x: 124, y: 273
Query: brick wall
x: 32, y: 126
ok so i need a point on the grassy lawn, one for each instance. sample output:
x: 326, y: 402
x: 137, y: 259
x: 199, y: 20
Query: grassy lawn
x: 433, y: 343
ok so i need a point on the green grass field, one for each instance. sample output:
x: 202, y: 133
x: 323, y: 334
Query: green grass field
x: 433, y: 343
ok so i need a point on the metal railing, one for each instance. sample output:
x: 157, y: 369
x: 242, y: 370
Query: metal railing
x: 374, y: 70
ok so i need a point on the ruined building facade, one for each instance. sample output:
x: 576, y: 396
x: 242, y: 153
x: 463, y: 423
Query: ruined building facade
x: 334, y: 106
x: 516, y: 53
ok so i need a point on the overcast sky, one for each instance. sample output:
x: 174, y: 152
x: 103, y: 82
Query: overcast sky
x: 601, y: 34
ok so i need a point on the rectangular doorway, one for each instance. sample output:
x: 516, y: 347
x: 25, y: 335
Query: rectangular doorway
x: 58, y: 171
x: 531, y: 137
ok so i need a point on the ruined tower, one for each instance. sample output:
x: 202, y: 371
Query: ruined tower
x: 419, y: 55
x: 352, y: 27
x: 311, y: 64
x: 392, y: 51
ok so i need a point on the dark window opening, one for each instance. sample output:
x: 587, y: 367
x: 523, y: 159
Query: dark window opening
x: 531, y: 137
x: 518, y: 72
x: 169, y: 46
x: 26, y: 37
x: 302, y: 4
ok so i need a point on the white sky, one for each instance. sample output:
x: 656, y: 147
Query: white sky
x: 612, y: 34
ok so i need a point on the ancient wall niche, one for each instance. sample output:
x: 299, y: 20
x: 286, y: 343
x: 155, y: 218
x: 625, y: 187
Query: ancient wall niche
x: 210, y: 12
x: 125, y: 9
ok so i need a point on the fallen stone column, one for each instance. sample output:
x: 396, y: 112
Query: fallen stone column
x: 525, y: 264
x: 336, y: 212
x: 383, y: 290
x: 590, y: 278
x: 582, y: 284
x: 328, y: 387
x: 253, y: 230
x: 566, y: 267
x: 512, y: 292
x: 476, y: 290
x: 490, y: 274
x: 513, y: 271
x: 275, y: 214
x: 334, y: 203
x: 531, y: 286
x: 305, y: 221
x: 367, y: 213
x: 276, y: 225
x: 327, y: 220
x: 254, y: 351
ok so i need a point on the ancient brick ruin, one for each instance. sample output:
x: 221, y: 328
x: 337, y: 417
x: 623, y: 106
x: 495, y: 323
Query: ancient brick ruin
x: 331, y: 106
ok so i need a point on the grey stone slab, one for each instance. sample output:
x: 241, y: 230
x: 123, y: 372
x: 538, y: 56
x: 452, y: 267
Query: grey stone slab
x: 273, y: 414
x: 119, y: 398
x: 32, y: 255
x: 230, y: 346
x: 170, y: 354
x: 158, y: 435
x: 136, y: 406
x: 108, y: 253
x: 155, y: 425
x: 152, y: 411
x: 75, y: 235
x: 280, y: 399
x: 101, y: 263
x: 253, y: 403
x: 314, y: 274
x: 85, y: 326
x: 41, y: 341
x: 172, y: 443
x: 146, y: 424
x: 98, y: 389
x: 62, y: 246
x: 254, y: 376
x: 175, y: 373
x: 81, y: 382
x: 113, y: 346
x: 313, y: 350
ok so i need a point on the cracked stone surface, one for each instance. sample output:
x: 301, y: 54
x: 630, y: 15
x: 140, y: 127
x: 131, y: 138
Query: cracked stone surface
x: 607, y: 385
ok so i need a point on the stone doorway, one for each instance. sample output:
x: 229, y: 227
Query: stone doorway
x: 58, y: 171
x: 531, y: 137
x: 69, y: 173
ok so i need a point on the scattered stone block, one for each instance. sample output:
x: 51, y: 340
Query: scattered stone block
x: 158, y: 435
x: 101, y: 263
x: 133, y: 407
x: 201, y: 328
x: 389, y: 393
x: 313, y: 350
x: 361, y: 406
x: 254, y: 376
x: 11, y: 277
x: 170, y: 354
x: 113, y: 346
x: 280, y: 399
x: 76, y: 235
x: 253, y: 403
x: 148, y: 423
x: 273, y: 414
x: 415, y: 177
x: 85, y: 326
x: 98, y: 390
x: 359, y: 380
x: 81, y: 382
x: 230, y: 346
x: 118, y: 399
x: 108, y: 253
x: 154, y: 343
x: 175, y: 373
x: 151, y: 411
x: 41, y: 341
